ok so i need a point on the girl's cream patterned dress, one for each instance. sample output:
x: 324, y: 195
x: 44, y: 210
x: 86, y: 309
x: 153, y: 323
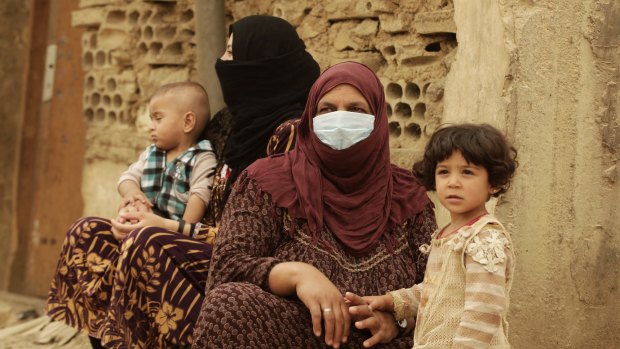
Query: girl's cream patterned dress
x: 463, y: 300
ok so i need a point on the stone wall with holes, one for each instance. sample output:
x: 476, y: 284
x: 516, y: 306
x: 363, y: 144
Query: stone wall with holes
x: 409, y: 43
x: 129, y: 48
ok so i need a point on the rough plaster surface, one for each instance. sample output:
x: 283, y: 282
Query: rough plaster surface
x: 14, y: 45
x: 547, y: 74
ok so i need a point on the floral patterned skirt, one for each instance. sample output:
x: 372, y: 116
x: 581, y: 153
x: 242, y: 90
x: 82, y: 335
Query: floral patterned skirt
x: 145, y: 292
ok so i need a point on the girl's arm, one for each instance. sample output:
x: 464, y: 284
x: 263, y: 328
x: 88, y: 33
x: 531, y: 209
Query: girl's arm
x: 488, y: 258
x: 195, y: 210
x: 406, y: 301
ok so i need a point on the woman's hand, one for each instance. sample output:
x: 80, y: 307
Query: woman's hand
x: 373, y: 313
x: 319, y: 294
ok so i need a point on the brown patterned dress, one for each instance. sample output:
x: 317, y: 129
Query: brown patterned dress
x: 142, y: 293
x: 240, y: 312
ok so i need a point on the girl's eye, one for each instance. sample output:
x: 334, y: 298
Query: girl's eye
x: 442, y: 171
x: 358, y: 110
x: 468, y: 172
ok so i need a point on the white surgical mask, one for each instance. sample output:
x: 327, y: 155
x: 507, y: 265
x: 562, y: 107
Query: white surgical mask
x: 342, y: 129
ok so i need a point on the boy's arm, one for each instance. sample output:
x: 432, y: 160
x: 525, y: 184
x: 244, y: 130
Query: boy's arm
x: 487, y: 258
x: 200, y: 186
x: 195, y: 210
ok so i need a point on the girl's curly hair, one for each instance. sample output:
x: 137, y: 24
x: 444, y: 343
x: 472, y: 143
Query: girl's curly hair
x: 481, y: 145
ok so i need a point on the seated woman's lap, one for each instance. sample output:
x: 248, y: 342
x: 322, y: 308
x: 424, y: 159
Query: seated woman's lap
x: 80, y: 290
x: 244, y: 314
x: 159, y: 286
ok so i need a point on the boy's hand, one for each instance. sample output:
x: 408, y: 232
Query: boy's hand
x: 135, y: 198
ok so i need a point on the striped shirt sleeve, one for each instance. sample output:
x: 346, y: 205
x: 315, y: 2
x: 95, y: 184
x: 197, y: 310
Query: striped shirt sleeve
x: 406, y: 301
x: 487, y: 259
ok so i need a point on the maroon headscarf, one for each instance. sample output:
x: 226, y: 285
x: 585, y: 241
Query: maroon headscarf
x: 356, y: 192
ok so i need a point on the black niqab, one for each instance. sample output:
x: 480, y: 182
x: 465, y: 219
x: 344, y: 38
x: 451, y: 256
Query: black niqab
x: 265, y: 84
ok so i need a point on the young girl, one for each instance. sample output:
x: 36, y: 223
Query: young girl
x: 463, y: 300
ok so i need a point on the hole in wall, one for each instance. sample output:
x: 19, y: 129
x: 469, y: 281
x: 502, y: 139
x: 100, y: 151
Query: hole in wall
x: 394, y: 128
x: 142, y: 48
x: 117, y: 100
x: 166, y: 14
x: 100, y: 114
x: 394, y: 90
x: 165, y: 33
x: 145, y: 17
x: 389, y: 51
x: 93, y: 41
x: 90, y: 83
x: 155, y: 48
x: 111, y: 116
x: 307, y: 10
x: 148, y: 33
x: 417, y: 61
x: 389, y: 110
x: 88, y: 60
x: 412, y: 91
x: 369, y: 5
x: 95, y: 99
x: 278, y: 12
x: 433, y: 47
x: 402, y: 110
x: 106, y: 100
x: 419, y: 110
x: 115, y: 16
x: 134, y: 16
x: 100, y: 59
x: 413, y: 130
x: 111, y: 85
x: 187, y: 15
x: 185, y: 34
x: 175, y: 49
x: 89, y: 114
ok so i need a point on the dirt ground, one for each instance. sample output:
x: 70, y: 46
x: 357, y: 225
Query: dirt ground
x: 23, y: 326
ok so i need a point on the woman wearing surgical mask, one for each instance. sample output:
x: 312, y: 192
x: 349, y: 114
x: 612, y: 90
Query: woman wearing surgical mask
x: 301, y: 229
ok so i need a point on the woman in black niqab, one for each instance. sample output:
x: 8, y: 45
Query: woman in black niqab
x: 266, y: 83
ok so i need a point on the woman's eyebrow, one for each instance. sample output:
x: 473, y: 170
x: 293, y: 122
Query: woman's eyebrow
x: 326, y: 104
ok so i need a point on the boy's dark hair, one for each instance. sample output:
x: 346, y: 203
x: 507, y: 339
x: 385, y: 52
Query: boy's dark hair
x: 481, y: 145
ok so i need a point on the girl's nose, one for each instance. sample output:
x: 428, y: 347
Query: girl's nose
x: 453, y: 181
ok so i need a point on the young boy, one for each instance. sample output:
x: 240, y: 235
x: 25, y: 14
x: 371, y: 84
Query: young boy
x: 174, y: 175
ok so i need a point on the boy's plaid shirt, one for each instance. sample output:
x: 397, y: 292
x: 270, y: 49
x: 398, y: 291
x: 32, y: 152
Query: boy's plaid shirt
x: 167, y: 186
